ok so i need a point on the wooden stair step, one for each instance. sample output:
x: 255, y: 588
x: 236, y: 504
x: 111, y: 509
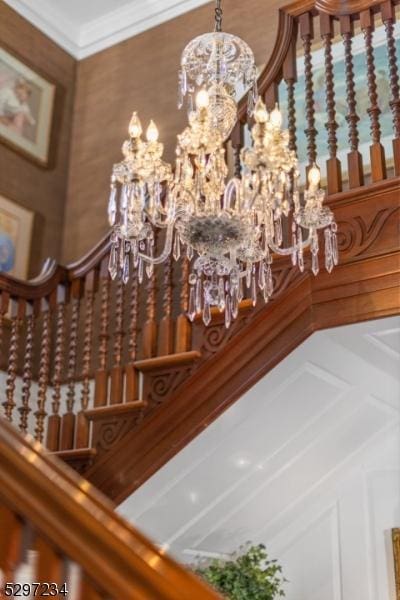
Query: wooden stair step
x: 99, y: 412
x: 167, y: 361
x: 77, y: 457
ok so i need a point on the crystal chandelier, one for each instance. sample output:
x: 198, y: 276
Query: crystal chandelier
x: 229, y: 230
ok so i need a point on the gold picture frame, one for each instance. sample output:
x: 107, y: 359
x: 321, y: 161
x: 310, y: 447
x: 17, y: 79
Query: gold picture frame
x: 16, y: 224
x: 26, y: 108
x: 396, y: 558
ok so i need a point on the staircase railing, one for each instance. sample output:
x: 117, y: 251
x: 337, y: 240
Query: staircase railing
x: 48, y: 511
x: 86, y: 359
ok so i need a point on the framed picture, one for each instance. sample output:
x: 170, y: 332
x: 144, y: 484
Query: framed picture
x: 26, y: 108
x: 16, y: 225
x: 396, y: 555
x: 363, y: 102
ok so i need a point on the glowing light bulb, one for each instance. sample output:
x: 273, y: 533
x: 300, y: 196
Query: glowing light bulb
x: 152, y: 132
x: 276, y: 117
x: 135, y: 126
x: 314, y: 176
x: 260, y: 112
x: 202, y: 99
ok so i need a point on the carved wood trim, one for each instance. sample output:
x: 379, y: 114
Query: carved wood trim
x: 364, y: 286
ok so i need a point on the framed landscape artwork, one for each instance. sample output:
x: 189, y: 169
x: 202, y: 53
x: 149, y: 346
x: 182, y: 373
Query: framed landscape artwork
x: 26, y: 108
x: 15, y: 238
x: 361, y: 84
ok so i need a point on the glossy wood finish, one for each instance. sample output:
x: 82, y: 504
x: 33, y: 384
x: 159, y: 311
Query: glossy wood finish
x: 388, y: 18
x: 135, y: 342
x: 71, y: 519
x: 44, y: 370
x: 54, y: 421
x: 377, y: 152
x: 334, y: 171
x: 363, y: 286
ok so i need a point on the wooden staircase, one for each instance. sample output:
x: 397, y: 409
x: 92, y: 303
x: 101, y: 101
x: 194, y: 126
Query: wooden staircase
x: 117, y: 378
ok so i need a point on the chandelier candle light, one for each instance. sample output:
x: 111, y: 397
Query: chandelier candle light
x: 230, y: 230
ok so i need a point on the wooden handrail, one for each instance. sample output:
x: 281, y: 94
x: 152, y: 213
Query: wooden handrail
x: 81, y: 524
x: 73, y: 325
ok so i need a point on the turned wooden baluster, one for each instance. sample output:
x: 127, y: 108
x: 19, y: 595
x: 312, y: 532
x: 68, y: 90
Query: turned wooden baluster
x: 183, y: 325
x: 333, y: 167
x: 290, y: 77
x: 101, y: 380
x: 44, y: 368
x: 49, y: 565
x: 25, y: 409
x: 88, y: 590
x: 11, y: 535
x: 82, y: 423
x: 117, y: 372
x: 377, y: 153
x: 271, y: 96
x: 54, y: 421
x: 307, y: 35
x: 149, y: 334
x: 237, y: 140
x: 17, y: 314
x: 4, y: 304
x: 165, y: 334
x: 68, y: 419
x: 389, y: 18
x: 130, y: 372
x: 354, y: 158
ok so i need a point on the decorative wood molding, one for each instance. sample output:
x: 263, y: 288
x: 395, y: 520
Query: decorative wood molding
x: 364, y: 286
x: 346, y: 7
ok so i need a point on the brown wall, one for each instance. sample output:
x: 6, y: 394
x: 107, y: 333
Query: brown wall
x: 141, y: 74
x: 41, y: 190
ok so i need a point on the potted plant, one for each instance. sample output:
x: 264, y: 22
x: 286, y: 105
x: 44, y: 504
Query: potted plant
x: 249, y: 575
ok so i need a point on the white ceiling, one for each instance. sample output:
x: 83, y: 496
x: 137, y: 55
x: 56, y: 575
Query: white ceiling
x: 273, y: 467
x: 83, y: 27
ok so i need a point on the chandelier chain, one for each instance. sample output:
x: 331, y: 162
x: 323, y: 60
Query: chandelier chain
x: 218, y: 16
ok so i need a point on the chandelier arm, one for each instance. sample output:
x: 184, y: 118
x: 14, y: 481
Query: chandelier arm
x: 291, y: 249
x: 157, y: 260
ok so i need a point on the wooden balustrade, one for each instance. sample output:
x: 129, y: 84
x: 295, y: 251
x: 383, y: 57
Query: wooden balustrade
x: 50, y: 514
x: 86, y: 359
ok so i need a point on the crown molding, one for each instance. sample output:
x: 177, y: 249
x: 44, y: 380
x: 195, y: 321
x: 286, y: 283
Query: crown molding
x: 100, y: 33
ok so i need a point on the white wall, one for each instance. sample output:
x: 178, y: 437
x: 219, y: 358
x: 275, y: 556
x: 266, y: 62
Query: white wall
x: 306, y: 462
